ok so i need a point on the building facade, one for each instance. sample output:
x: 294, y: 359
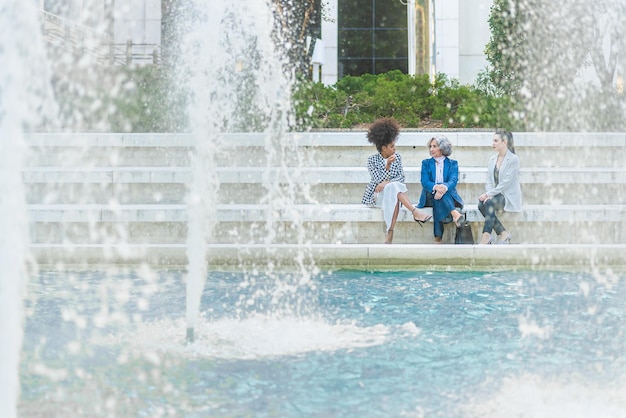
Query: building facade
x: 414, y: 36
x: 358, y: 36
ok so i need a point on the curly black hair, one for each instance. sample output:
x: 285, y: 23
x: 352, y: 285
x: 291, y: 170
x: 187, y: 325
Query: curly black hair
x: 383, y: 132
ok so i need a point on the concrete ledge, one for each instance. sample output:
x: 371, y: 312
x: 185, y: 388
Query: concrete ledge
x: 107, y: 213
x: 99, y: 175
x: 144, y: 171
x: 62, y: 139
x: 306, y: 175
x: 377, y: 256
x: 305, y: 213
x: 327, y: 139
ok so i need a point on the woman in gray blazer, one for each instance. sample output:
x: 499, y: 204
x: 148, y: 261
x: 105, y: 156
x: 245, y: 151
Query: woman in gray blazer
x: 503, y: 191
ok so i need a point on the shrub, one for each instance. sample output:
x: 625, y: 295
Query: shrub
x: 412, y: 100
x: 144, y: 100
x: 118, y: 99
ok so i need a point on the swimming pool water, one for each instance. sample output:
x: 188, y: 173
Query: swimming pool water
x: 372, y: 344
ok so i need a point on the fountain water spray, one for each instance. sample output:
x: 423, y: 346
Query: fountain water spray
x: 235, y: 78
x: 563, y: 62
x: 23, y: 84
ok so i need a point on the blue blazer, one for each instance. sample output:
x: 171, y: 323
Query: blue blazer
x: 450, y: 178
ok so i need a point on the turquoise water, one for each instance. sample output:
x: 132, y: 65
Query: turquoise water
x: 432, y: 344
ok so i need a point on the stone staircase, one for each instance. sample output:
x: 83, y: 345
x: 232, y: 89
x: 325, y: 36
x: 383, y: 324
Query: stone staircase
x: 120, y: 198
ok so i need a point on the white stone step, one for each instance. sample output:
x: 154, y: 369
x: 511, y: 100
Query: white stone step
x: 306, y: 175
x: 597, y: 258
x: 305, y: 213
x: 334, y: 185
x: 323, y: 148
x: 327, y: 139
x: 120, y: 198
x: 153, y: 224
x: 98, y: 175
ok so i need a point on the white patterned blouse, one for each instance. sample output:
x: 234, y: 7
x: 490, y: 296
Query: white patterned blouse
x: 376, y: 166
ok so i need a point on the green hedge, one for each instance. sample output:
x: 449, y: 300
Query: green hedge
x: 144, y: 100
x: 413, y: 100
x: 117, y: 99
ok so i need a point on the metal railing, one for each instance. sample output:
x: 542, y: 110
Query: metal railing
x: 134, y: 53
x: 81, y: 40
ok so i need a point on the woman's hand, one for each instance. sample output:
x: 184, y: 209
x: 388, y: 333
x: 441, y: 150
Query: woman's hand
x: 381, y: 186
x: 440, y: 190
x: 483, y: 197
x: 391, y: 159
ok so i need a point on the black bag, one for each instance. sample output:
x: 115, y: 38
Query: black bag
x: 464, y: 233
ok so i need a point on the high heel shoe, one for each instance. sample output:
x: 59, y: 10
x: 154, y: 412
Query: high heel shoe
x: 490, y: 241
x: 389, y: 238
x: 505, y: 241
x: 459, y: 221
x: 422, y: 222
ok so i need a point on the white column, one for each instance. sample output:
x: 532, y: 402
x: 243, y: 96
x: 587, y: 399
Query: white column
x: 474, y: 34
x: 318, y: 59
x: 330, y: 31
x: 410, y: 21
x: 432, y: 48
x: 447, y: 37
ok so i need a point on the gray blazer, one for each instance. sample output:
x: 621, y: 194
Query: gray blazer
x: 509, y: 181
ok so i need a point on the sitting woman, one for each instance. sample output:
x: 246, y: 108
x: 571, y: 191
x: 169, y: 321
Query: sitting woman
x: 440, y: 175
x: 386, y: 188
x: 503, y: 191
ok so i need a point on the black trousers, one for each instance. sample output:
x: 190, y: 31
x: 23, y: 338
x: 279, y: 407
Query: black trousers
x: 489, y: 208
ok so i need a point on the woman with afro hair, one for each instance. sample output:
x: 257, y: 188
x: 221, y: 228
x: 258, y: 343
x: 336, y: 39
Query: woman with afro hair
x: 386, y: 188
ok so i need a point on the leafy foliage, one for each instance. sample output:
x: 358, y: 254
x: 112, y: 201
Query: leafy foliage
x: 294, y: 22
x: 119, y: 99
x: 559, y: 62
x: 145, y: 100
x: 412, y: 100
x: 507, y: 34
x: 150, y: 105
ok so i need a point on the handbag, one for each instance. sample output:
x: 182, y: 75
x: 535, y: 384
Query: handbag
x: 464, y: 233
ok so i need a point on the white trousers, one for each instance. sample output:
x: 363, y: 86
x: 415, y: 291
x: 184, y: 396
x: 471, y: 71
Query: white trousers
x: 388, y: 199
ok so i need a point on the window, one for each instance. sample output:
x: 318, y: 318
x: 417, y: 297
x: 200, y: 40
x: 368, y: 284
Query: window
x: 372, y: 37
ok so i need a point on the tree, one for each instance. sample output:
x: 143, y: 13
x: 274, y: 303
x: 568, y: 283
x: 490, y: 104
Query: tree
x: 560, y: 61
x: 506, y: 36
x: 296, y: 22
x: 297, y: 25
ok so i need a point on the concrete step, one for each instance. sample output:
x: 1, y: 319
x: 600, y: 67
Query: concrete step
x: 153, y: 193
x: 120, y: 198
x: 331, y: 149
x: 106, y: 149
x: 309, y: 213
x: 103, y: 185
x: 307, y: 175
x: 598, y: 258
x: 153, y: 224
x: 144, y: 185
